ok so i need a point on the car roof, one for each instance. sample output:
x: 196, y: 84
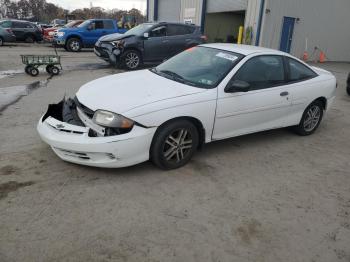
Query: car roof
x: 16, y: 20
x: 244, y: 49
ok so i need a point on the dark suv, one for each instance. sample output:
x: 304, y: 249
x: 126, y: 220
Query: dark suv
x: 148, y: 43
x: 23, y: 30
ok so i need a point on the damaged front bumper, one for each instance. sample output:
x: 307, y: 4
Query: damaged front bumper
x: 107, y: 52
x: 78, y: 143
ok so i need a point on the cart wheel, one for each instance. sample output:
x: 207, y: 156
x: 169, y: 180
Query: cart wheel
x: 33, y: 71
x: 27, y: 69
x: 55, y: 70
x: 49, y: 68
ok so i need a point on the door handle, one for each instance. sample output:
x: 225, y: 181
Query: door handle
x: 165, y: 41
x: 285, y: 93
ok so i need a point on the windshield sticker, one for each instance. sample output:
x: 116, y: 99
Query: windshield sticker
x: 227, y: 56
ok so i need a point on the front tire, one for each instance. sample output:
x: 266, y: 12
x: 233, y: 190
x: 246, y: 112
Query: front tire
x: 174, y: 144
x: 311, y: 119
x: 74, y: 45
x: 131, y: 60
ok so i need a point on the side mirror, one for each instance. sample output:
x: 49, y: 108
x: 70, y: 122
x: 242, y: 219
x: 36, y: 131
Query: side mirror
x: 237, y: 86
x: 146, y: 35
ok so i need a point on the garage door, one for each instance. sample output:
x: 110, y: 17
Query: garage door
x: 169, y: 10
x: 215, y: 6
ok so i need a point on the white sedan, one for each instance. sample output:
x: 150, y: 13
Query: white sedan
x: 206, y: 93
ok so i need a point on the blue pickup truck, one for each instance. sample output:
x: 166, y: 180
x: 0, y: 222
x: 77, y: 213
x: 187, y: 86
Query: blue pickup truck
x: 86, y: 34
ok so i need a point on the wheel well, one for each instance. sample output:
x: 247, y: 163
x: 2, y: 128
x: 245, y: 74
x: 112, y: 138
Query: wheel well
x: 198, y: 124
x: 134, y: 49
x: 74, y: 36
x: 323, y: 100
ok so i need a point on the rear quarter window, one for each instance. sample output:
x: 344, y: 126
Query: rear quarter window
x: 108, y: 24
x: 298, y: 71
x: 180, y: 30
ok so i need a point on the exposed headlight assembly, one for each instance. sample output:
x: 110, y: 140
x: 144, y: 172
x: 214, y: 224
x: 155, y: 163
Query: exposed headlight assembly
x: 118, y: 43
x: 109, y: 119
x: 60, y: 34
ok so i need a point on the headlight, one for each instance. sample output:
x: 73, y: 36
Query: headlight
x: 59, y: 34
x: 109, y: 119
x: 118, y: 43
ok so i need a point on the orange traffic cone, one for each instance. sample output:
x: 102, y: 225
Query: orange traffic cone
x: 322, y: 57
x: 305, y: 56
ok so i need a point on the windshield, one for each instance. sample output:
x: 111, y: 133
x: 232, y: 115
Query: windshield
x: 84, y: 24
x: 138, y: 30
x: 199, y: 66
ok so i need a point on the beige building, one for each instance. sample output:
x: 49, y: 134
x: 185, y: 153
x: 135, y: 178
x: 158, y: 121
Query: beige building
x: 292, y: 26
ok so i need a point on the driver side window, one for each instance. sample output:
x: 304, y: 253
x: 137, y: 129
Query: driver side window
x: 158, y: 32
x: 262, y: 72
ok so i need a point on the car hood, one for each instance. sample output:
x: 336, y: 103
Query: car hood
x: 120, y: 93
x: 114, y: 37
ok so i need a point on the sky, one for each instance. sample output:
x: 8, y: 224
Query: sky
x: 106, y: 4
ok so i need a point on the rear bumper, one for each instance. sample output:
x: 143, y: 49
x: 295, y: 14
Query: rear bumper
x: 72, y: 143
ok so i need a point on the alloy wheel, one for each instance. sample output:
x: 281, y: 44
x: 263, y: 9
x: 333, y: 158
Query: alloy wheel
x: 313, y: 116
x: 132, y: 60
x: 177, y: 145
x: 75, y: 45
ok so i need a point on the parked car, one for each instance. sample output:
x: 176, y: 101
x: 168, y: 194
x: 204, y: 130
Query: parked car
x: 6, y: 35
x: 49, y: 33
x: 86, y: 34
x: 148, y: 43
x: 348, y: 85
x: 23, y: 30
x: 58, y: 22
x: 206, y: 93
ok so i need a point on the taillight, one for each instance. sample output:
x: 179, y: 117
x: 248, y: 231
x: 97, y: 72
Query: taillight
x: 204, y: 37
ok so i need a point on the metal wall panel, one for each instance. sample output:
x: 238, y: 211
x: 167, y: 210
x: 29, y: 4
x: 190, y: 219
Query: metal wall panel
x: 169, y: 10
x: 150, y: 10
x: 324, y: 23
x: 191, y: 9
x: 215, y: 6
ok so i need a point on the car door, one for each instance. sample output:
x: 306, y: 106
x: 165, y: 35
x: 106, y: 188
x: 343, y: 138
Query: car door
x: 177, y: 38
x: 265, y: 106
x: 19, y: 30
x: 156, y: 45
x: 93, y: 32
x: 108, y: 27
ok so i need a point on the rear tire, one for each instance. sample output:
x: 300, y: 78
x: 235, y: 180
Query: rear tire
x: 55, y: 70
x: 174, y: 144
x: 74, y: 45
x: 33, y: 71
x: 29, y: 39
x: 27, y: 68
x: 348, y: 90
x: 311, y: 119
x: 48, y: 68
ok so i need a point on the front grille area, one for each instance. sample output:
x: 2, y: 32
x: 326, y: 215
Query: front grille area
x: 87, y: 111
x: 85, y: 156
